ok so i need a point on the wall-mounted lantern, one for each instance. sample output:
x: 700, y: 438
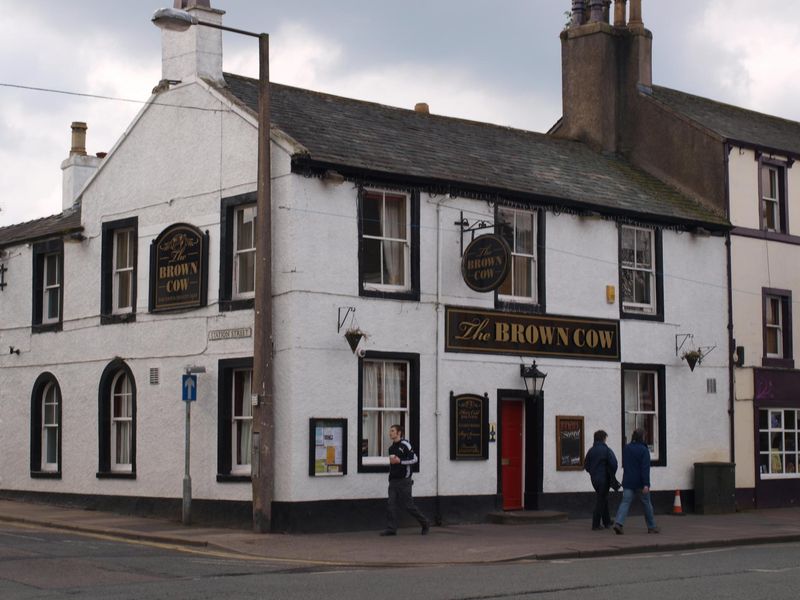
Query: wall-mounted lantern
x: 533, y: 377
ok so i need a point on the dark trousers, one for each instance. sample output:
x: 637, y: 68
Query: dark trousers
x: 400, y: 497
x: 600, y: 513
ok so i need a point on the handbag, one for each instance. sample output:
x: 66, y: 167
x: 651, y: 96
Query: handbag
x: 612, y: 478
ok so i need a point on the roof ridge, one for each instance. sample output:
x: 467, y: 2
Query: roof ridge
x: 727, y: 105
x: 398, y: 108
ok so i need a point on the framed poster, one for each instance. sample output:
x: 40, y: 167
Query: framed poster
x: 569, y: 443
x: 327, y: 456
x: 469, y: 427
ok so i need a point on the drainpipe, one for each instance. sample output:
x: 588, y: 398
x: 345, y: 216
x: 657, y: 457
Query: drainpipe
x: 439, y: 325
x: 731, y: 342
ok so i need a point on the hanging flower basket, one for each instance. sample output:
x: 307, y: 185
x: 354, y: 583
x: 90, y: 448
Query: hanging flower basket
x: 353, y: 337
x: 692, y: 358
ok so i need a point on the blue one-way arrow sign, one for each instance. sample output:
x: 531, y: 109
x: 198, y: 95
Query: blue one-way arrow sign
x: 189, y: 386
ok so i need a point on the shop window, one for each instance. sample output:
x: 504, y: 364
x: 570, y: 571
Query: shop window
x: 641, y: 283
x: 777, y: 328
x: 117, y: 422
x: 778, y: 437
x: 389, y: 244
x: 388, y: 395
x: 772, y: 190
x: 238, y: 223
x: 522, y: 286
x: 48, y: 281
x: 644, y: 407
x: 118, y: 264
x: 235, y: 419
x: 45, y: 457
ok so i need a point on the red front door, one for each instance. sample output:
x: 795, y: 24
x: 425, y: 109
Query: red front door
x: 511, y: 423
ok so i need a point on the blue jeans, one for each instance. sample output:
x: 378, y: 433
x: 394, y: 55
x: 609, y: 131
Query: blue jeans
x: 625, y: 506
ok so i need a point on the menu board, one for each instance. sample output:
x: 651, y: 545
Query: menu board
x: 569, y: 443
x: 469, y: 427
x: 327, y: 447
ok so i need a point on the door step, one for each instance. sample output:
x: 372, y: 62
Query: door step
x: 526, y: 517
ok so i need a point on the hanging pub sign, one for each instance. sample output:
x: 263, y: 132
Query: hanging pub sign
x: 485, y: 263
x: 469, y: 427
x: 178, y: 268
x: 496, y: 332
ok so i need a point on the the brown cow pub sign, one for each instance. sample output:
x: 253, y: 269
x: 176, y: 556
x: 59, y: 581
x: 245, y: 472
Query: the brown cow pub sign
x: 495, y: 332
x: 178, y: 268
x: 485, y: 263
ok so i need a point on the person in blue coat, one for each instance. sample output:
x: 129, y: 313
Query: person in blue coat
x: 601, y: 464
x: 636, y: 481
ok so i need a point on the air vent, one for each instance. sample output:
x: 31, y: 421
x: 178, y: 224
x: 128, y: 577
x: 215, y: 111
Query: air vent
x: 711, y: 386
x: 153, y: 375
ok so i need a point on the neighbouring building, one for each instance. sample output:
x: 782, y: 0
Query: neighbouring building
x: 463, y: 250
x: 739, y: 162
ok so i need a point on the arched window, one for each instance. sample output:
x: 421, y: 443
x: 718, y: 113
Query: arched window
x: 46, y: 427
x: 117, y: 422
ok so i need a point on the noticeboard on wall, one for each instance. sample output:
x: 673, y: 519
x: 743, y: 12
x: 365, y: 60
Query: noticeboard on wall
x: 327, y: 447
x: 569, y: 443
x: 469, y: 427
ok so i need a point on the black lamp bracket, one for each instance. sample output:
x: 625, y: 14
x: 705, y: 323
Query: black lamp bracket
x: 471, y: 228
x: 682, y: 338
x: 350, y: 311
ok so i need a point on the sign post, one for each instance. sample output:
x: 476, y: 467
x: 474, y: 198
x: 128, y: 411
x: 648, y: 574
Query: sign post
x: 188, y: 395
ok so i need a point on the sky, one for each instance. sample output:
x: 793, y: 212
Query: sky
x: 489, y: 60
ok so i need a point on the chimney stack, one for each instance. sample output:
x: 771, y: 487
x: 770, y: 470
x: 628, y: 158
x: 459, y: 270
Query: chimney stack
x: 78, y: 167
x: 197, y: 52
x: 604, y: 68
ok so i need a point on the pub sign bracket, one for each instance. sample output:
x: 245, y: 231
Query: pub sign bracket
x: 471, y: 228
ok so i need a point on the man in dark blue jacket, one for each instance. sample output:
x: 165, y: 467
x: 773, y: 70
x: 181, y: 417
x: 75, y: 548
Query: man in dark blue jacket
x: 601, y: 464
x: 636, y: 480
x: 401, y: 457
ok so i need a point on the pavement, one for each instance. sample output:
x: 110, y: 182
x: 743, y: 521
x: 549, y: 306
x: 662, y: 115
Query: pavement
x: 447, y: 545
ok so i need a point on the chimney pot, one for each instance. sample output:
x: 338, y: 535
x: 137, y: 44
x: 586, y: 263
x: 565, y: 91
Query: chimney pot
x: 636, y: 13
x: 78, y: 139
x: 577, y: 13
x: 595, y: 11
x: 619, y: 13
x: 422, y: 108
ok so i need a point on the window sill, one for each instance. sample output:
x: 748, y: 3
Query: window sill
x: 780, y: 363
x: 46, y: 328
x: 393, y: 295
x: 640, y: 316
x: 121, y: 318
x: 519, y: 307
x: 46, y: 474
x: 233, y: 478
x: 244, y: 304
x: 116, y: 475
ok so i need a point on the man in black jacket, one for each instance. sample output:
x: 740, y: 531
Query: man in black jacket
x: 401, y: 457
x: 601, y: 465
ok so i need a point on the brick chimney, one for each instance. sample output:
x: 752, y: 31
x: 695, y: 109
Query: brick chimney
x: 78, y: 167
x: 196, y: 52
x: 604, y: 68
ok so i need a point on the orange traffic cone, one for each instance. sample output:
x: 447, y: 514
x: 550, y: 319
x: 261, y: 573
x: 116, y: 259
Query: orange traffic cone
x: 677, y: 509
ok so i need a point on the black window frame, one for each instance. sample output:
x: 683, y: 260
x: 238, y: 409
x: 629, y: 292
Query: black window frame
x: 783, y: 205
x: 412, y: 433
x: 40, y: 251
x: 104, y: 470
x: 110, y: 228
x: 658, y: 249
x: 225, y: 369
x: 540, y: 307
x: 787, y: 361
x: 661, y: 404
x: 228, y: 208
x: 36, y: 471
x: 414, y: 213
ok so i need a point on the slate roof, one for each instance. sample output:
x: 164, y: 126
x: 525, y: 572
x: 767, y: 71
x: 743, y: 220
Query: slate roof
x: 732, y: 122
x: 66, y: 222
x: 379, y: 139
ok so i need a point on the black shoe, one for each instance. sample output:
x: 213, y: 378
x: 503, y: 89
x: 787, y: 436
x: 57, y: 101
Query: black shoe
x: 425, y: 529
x: 653, y: 530
x: 598, y: 528
x: 617, y: 528
x: 388, y: 532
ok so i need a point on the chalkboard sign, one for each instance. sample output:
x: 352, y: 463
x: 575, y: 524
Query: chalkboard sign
x: 569, y: 443
x: 469, y: 427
